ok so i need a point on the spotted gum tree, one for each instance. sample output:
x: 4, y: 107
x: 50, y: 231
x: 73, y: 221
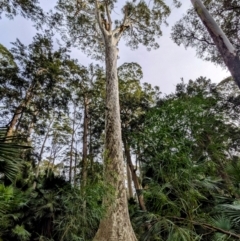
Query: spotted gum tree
x: 214, y: 32
x: 90, y: 26
x: 224, y: 46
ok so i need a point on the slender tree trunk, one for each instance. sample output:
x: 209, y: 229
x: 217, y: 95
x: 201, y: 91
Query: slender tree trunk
x: 71, y: 147
x: 18, y: 112
x: 83, y: 181
x: 31, y: 125
x: 115, y: 226
x: 75, y: 168
x: 134, y: 177
x: 226, y: 49
x: 85, y: 143
x: 90, y: 145
x: 129, y: 180
x: 41, y: 152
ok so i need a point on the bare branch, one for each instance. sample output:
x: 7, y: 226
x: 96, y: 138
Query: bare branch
x: 108, y: 15
x: 81, y: 8
x: 98, y: 17
x: 118, y: 32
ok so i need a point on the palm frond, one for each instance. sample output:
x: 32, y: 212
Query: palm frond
x: 10, y: 151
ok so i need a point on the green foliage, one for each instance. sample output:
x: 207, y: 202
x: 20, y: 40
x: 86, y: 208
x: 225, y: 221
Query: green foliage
x: 12, y: 202
x: 79, y: 220
x: 54, y: 211
x: 10, y: 160
x: 183, y: 148
x: 27, y: 8
x: 139, y: 24
x: 21, y: 233
x: 6, y: 59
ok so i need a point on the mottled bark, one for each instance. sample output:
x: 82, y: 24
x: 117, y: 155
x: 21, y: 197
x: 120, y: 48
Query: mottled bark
x: 134, y: 177
x: 226, y: 49
x: 115, y: 226
x: 85, y: 143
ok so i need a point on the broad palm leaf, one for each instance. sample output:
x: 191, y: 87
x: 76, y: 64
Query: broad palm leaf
x: 10, y: 150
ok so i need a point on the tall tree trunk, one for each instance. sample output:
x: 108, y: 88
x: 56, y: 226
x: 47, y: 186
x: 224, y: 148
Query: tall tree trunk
x: 226, y: 49
x: 115, y: 226
x: 31, y: 125
x: 75, y: 168
x: 18, y: 113
x: 71, y: 147
x: 134, y: 177
x: 129, y: 181
x: 16, y: 116
x: 83, y: 181
x: 85, y: 143
x: 90, y: 155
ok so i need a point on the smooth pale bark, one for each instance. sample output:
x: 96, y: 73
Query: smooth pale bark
x: 134, y: 177
x: 226, y: 49
x: 85, y: 143
x: 115, y: 226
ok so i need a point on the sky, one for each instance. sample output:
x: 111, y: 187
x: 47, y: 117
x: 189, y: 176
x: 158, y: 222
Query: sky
x: 164, y: 67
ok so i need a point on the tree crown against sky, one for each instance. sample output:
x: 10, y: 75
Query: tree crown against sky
x: 89, y: 22
x: 27, y: 8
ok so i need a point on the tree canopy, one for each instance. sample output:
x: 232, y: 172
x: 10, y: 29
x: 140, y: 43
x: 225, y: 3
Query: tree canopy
x: 93, y: 153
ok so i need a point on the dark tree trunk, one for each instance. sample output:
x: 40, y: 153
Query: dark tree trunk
x: 129, y: 180
x: 18, y: 113
x: 71, y: 147
x: 134, y: 177
x: 85, y: 143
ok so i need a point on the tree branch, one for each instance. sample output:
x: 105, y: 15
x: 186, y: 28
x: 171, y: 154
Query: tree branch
x: 208, y: 226
x: 98, y: 17
x: 126, y: 23
x: 80, y: 8
x: 108, y: 15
